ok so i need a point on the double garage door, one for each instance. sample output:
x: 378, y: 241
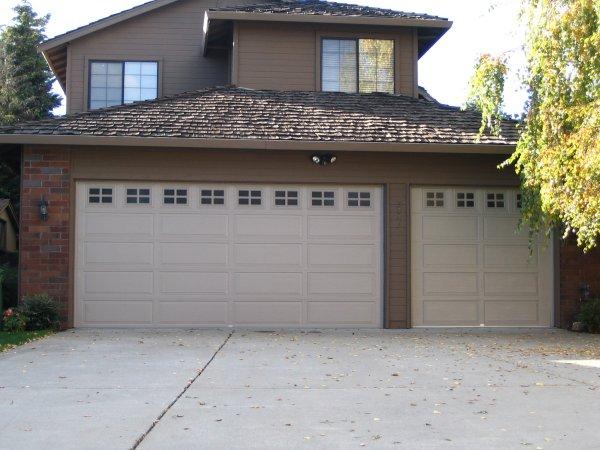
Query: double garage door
x: 164, y: 254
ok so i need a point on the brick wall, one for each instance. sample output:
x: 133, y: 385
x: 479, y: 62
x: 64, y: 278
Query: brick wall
x: 576, y: 268
x: 44, y: 246
x: 397, y: 309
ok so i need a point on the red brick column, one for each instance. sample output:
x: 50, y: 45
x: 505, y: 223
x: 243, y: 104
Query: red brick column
x: 44, y: 246
x: 576, y: 268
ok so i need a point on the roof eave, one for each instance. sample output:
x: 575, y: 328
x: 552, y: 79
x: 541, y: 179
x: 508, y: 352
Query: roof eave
x: 103, y: 23
x: 256, y: 144
x: 329, y: 19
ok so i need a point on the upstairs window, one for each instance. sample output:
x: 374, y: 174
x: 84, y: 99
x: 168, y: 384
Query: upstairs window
x: 357, y: 65
x: 115, y: 83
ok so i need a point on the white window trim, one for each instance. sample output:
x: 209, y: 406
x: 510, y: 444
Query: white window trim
x: 188, y: 204
x: 286, y: 198
x: 212, y: 196
x: 113, y: 202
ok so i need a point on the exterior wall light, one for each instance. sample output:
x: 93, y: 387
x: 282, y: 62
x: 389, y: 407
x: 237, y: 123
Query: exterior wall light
x: 43, y: 205
x: 323, y: 159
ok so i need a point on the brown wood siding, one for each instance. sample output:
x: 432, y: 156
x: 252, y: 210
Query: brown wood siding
x: 395, y: 171
x: 287, y: 56
x: 171, y: 35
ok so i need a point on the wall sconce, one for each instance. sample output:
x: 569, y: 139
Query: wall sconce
x: 323, y: 159
x: 43, y: 205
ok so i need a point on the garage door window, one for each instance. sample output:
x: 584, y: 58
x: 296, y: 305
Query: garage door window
x: 100, y: 196
x: 249, y: 197
x: 465, y: 199
x: 175, y: 196
x: 212, y: 197
x: 434, y: 199
x: 323, y: 198
x: 286, y: 198
x: 138, y: 196
x: 495, y: 200
x: 358, y: 199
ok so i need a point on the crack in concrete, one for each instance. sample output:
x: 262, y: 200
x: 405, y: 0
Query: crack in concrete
x: 176, y: 399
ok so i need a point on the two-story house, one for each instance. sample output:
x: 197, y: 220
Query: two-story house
x: 225, y: 163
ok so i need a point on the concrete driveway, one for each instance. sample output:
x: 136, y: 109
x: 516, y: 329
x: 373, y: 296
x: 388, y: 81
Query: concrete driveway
x: 210, y: 389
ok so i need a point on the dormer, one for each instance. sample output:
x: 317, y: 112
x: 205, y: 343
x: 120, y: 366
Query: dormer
x: 314, y: 45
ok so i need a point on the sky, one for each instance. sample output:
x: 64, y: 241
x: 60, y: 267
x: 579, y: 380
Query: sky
x: 480, y: 26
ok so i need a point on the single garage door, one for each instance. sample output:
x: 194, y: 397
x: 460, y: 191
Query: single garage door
x: 469, y: 265
x: 172, y: 254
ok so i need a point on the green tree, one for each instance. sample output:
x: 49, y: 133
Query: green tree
x: 486, y: 93
x: 558, y: 153
x: 25, y: 79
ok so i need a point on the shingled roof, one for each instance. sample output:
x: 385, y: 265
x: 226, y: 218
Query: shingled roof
x: 230, y: 113
x: 324, y: 8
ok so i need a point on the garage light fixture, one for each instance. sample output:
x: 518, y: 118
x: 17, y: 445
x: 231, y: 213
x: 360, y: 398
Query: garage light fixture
x: 43, y: 205
x: 323, y: 159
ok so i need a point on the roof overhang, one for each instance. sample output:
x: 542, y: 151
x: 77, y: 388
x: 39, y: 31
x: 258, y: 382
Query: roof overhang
x: 55, y: 49
x: 256, y: 144
x: 430, y: 31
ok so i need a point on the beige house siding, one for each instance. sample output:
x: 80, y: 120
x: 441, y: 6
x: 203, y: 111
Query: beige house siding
x: 395, y: 172
x: 287, y: 56
x: 11, y: 233
x: 171, y: 35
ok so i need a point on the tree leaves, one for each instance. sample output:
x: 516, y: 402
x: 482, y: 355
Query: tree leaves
x: 25, y: 79
x: 486, y: 92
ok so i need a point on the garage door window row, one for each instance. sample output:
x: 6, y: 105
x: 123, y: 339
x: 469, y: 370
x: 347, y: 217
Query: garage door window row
x: 465, y: 200
x: 250, y: 197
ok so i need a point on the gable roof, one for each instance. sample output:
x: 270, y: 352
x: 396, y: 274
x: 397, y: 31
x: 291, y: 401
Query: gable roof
x: 324, y: 8
x: 243, y: 118
x: 55, y: 49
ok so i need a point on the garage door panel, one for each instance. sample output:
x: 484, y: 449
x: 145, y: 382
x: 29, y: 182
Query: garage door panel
x: 114, y: 225
x: 268, y: 313
x: 342, y: 313
x: 118, y: 312
x: 515, y: 312
x: 510, y: 283
x: 268, y: 227
x: 193, y: 253
x: 469, y: 266
x: 342, y: 227
x: 194, y: 283
x: 451, y: 313
x: 193, y: 225
x: 341, y: 283
x: 115, y: 253
x: 449, y: 227
x: 342, y: 255
x: 268, y: 283
x: 509, y: 256
x: 503, y: 228
x: 222, y: 254
x: 118, y: 283
x: 268, y: 254
x: 435, y: 255
x: 446, y: 283
x: 193, y: 313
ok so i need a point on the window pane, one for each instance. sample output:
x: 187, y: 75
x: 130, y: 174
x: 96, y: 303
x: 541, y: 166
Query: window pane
x: 141, y: 81
x: 134, y: 68
x: 105, y: 84
x: 376, y: 70
x: 339, y: 65
x: 149, y: 68
x: 132, y: 81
